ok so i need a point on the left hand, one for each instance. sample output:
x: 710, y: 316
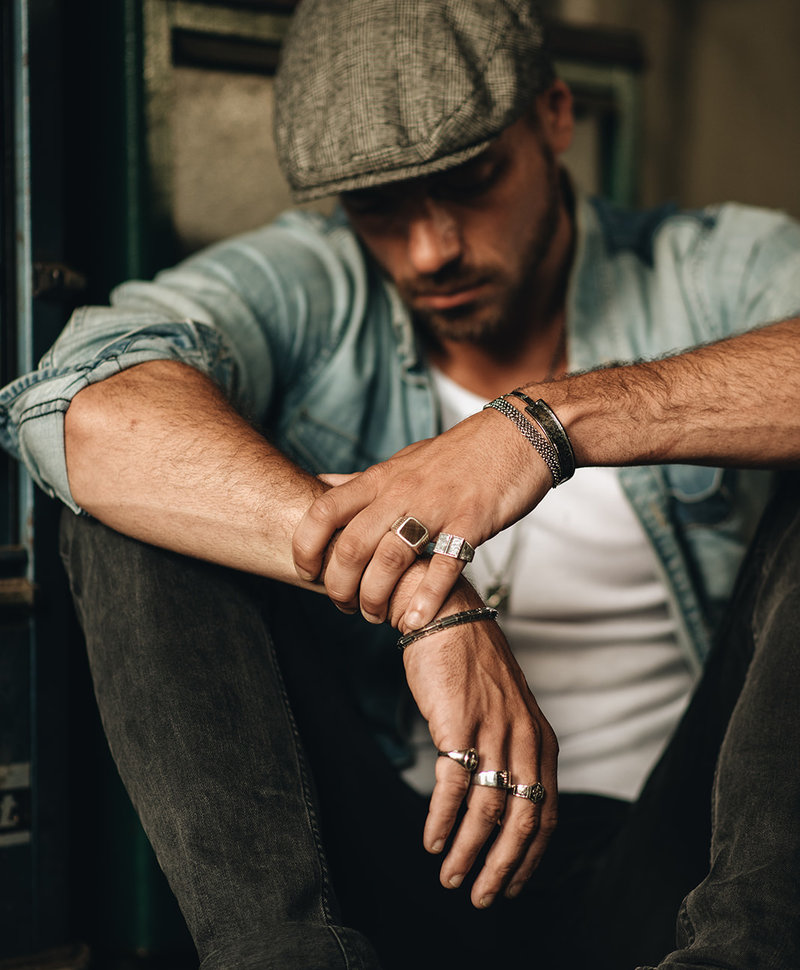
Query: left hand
x: 471, y: 691
x: 472, y: 481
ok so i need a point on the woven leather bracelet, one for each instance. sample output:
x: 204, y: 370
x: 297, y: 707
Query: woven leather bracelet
x: 542, y: 444
x: 553, y: 430
x: 455, y: 619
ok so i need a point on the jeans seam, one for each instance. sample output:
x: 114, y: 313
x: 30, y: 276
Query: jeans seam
x: 307, y: 795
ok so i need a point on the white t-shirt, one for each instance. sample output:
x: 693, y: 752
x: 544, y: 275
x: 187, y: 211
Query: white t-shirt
x: 588, y: 621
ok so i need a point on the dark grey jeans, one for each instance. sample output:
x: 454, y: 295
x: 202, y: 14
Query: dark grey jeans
x: 290, y: 842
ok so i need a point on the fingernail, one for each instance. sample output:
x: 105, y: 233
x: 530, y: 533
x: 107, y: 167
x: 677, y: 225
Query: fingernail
x: 349, y: 610
x: 455, y: 881
x: 485, y: 902
x: 305, y: 574
x: 414, y: 620
x: 438, y: 845
x: 513, y: 891
x: 372, y: 618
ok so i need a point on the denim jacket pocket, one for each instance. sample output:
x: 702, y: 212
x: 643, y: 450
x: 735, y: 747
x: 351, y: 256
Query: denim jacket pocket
x: 700, y: 496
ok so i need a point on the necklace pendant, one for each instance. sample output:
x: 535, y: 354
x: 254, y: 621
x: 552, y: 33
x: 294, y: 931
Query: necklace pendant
x: 497, y: 596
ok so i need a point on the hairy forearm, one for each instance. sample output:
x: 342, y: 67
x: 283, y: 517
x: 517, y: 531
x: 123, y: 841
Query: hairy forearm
x: 157, y: 453
x: 736, y: 402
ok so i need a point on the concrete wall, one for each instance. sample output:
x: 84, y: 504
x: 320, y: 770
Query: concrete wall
x: 720, y: 116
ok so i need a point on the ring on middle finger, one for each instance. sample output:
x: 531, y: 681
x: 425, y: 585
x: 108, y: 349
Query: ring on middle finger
x: 492, y: 779
x: 456, y: 547
x: 411, y: 531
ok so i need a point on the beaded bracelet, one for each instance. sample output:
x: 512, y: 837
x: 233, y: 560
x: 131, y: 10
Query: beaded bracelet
x: 541, y: 444
x: 454, y: 619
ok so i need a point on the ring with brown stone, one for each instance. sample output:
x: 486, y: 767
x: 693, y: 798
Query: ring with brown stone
x: 411, y: 531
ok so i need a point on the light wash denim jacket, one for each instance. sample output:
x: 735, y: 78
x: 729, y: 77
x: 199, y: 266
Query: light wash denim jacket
x: 310, y: 342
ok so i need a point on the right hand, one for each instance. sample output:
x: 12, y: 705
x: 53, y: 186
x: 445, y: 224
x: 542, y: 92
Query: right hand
x: 472, y: 481
x: 472, y: 692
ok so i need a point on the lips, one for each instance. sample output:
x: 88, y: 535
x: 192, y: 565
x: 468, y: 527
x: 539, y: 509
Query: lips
x: 448, y: 299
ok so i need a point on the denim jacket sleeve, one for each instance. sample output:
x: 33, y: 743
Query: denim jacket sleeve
x: 251, y: 313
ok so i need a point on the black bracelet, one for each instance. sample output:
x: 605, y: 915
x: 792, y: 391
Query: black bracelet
x: 553, y: 430
x: 455, y: 619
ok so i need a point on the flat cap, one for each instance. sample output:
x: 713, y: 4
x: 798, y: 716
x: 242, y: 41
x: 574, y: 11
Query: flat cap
x: 375, y: 91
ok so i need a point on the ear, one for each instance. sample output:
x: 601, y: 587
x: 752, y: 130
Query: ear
x: 556, y: 118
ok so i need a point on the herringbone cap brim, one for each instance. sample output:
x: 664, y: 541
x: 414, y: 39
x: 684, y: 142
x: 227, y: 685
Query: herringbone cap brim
x: 376, y: 91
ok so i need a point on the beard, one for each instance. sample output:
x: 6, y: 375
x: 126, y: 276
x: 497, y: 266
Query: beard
x: 500, y: 317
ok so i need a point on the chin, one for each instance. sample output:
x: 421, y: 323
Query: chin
x: 460, y: 328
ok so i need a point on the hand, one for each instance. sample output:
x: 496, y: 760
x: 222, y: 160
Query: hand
x: 473, y: 694
x: 471, y: 481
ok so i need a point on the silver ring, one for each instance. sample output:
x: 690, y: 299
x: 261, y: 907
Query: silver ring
x: 466, y: 757
x: 534, y: 793
x: 492, y: 779
x: 411, y: 531
x: 456, y: 547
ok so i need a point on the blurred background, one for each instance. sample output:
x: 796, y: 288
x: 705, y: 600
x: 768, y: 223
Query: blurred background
x: 136, y: 131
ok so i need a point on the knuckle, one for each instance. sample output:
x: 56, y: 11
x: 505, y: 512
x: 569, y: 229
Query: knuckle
x: 447, y: 566
x: 503, y: 868
x: 371, y: 603
x: 323, y: 510
x: 339, y: 592
x: 489, y: 812
x: 453, y: 785
x: 526, y: 825
x: 395, y: 556
x: 350, y: 550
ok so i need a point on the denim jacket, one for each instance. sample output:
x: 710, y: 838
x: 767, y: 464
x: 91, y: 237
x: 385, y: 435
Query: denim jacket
x: 305, y: 336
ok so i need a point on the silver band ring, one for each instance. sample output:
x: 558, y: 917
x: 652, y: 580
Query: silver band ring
x: 534, y: 793
x: 411, y: 531
x: 492, y: 779
x: 456, y: 547
x: 466, y: 757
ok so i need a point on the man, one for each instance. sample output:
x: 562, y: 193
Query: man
x: 286, y: 834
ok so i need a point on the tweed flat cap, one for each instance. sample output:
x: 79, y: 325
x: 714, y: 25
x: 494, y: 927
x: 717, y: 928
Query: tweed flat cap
x: 374, y: 91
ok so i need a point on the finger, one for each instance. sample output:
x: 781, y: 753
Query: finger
x: 485, y: 807
x: 391, y: 559
x: 433, y: 590
x: 548, y: 814
x: 527, y: 825
x: 452, y: 785
x: 334, y: 478
x: 355, y: 546
x: 514, y: 854
x: 547, y: 825
x: 330, y: 511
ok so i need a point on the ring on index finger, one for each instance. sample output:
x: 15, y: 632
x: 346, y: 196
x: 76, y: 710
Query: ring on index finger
x: 411, y: 531
x: 466, y: 757
x: 456, y: 547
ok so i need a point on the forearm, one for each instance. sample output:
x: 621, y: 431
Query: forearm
x: 736, y: 402
x: 157, y: 453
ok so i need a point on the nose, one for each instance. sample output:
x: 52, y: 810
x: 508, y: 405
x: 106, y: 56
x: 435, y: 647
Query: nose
x: 434, y: 237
